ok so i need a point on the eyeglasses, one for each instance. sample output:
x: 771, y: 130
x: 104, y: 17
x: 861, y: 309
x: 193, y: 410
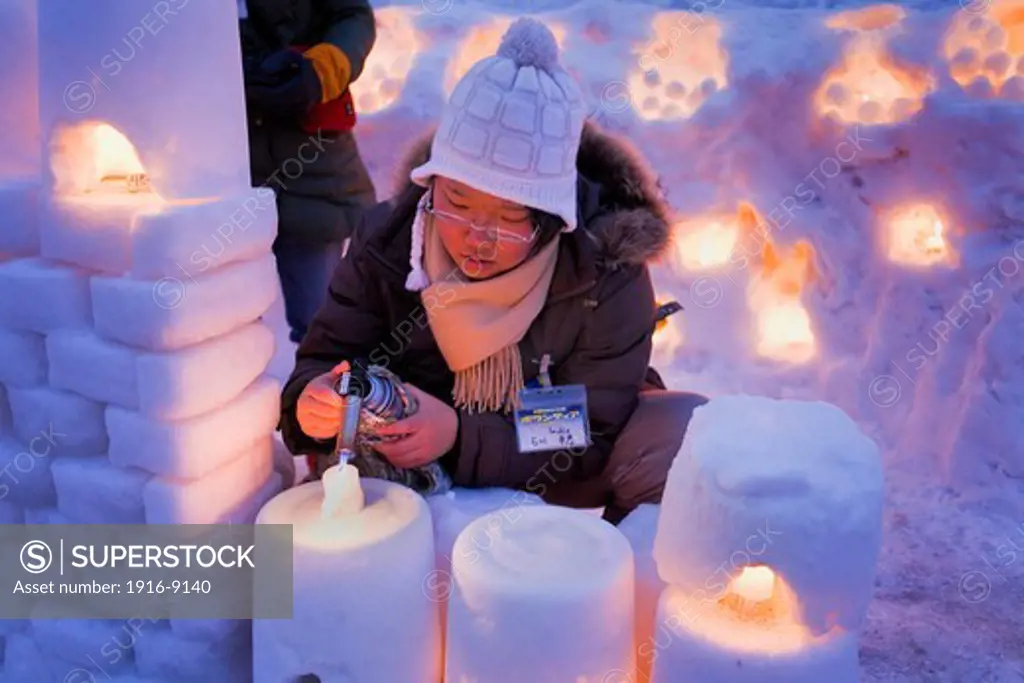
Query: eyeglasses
x: 498, y: 234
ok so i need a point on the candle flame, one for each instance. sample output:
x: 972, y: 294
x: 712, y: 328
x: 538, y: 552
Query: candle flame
x: 708, y: 242
x: 758, y: 595
x: 917, y: 237
x: 700, y: 247
x: 95, y: 165
x: 95, y: 157
x: 756, y: 584
x: 783, y: 326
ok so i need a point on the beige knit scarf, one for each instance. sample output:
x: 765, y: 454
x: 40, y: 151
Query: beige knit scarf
x: 478, y: 323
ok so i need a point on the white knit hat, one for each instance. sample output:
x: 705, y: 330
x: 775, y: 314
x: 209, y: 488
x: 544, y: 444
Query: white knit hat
x: 511, y: 129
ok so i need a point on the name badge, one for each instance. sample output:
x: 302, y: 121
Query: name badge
x: 552, y: 419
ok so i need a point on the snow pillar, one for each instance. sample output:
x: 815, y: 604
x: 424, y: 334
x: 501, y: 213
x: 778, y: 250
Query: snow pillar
x: 149, y: 219
x: 139, y: 394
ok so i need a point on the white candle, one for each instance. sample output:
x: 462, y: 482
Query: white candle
x: 343, y: 494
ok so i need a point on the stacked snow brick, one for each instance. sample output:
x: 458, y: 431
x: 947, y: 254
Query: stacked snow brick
x: 25, y: 480
x: 131, y: 396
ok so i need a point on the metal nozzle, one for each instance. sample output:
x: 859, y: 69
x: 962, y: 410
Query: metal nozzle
x: 351, y: 406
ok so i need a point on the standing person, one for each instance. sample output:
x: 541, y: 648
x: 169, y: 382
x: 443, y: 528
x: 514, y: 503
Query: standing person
x: 300, y: 57
x: 514, y: 259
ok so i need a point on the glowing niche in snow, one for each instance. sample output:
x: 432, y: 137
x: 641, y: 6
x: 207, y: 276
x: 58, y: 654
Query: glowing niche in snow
x: 707, y: 242
x: 682, y: 65
x: 764, y: 608
x: 389, y: 63
x: 985, y: 51
x: 782, y: 325
x: 868, y: 85
x: 757, y: 613
x: 916, y: 236
x: 95, y: 163
x: 482, y: 42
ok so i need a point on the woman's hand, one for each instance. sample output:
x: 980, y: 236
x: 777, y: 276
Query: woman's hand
x: 318, y: 409
x: 425, y: 436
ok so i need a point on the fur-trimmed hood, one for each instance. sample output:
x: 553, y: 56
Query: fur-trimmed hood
x: 620, y: 202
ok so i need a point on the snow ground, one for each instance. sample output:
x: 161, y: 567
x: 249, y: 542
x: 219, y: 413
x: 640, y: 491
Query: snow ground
x: 950, y: 582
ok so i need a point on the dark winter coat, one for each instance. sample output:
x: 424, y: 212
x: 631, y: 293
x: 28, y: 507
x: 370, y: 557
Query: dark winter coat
x: 320, y: 179
x: 596, y: 326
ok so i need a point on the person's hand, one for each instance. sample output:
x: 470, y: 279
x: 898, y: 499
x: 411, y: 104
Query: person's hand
x: 285, y: 85
x: 318, y: 409
x: 425, y: 435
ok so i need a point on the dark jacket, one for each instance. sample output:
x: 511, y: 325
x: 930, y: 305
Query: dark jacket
x: 321, y: 182
x: 596, y: 325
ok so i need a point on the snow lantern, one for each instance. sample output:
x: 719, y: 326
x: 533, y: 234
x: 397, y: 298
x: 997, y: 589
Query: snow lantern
x: 546, y: 599
x: 767, y: 538
x: 679, y: 68
x: 145, y: 147
x: 985, y: 50
x: 19, y: 129
x: 869, y: 86
x: 783, y: 328
x: 398, y: 45
x: 708, y: 242
x: 482, y: 42
x: 916, y: 236
x: 362, y: 551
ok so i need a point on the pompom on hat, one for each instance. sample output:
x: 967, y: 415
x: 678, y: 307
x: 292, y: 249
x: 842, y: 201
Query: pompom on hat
x: 511, y: 129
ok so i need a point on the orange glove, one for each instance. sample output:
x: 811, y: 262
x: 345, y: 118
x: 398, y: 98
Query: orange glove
x: 333, y: 68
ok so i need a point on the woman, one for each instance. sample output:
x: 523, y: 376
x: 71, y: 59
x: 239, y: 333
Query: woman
x: 516, y: 254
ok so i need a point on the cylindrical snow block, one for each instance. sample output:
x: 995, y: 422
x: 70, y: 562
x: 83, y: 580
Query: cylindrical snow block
x: 548, y: 599
x: 698, y: 641
x: 455, y: 510
x: 791, y: 485
x: 360, y: 610
x: 452, y: 512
